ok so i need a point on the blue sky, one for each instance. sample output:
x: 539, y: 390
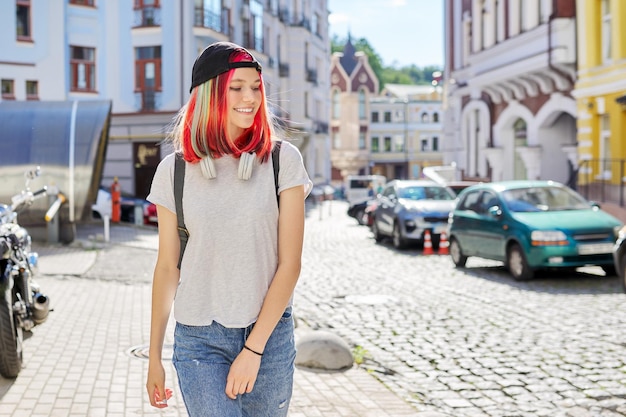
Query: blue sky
x: 402, y: 32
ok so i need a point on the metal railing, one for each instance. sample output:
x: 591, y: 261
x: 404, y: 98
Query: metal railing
x: 601, y: 180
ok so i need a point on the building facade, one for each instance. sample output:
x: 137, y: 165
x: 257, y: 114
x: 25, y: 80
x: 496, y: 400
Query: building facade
x: 394, y: 132
x: 139, y: 54
x: 509, y: 74
x: 405, y: 130
x: 600, y: 94
x: 352, y: 84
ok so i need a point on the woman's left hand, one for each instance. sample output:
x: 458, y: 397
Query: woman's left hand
x: 242, y: 374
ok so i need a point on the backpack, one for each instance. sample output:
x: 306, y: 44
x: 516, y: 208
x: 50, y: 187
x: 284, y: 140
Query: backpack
x: 179, y: 181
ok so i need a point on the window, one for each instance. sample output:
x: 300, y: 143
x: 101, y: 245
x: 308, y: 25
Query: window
x: 32, y: 90
x: 424, y: 145
x: 82, y: 69
x: 362, y: 142
x: 256, y: 9
x: 207, y: 13
x: 387, y: 117
x: 147, y: 13
x: 398, y: 143
x: 387, y: 143
x: 148, y: 75
x: 374, y: 117
x: 435, y: 143
x: 22, y: 20
x: 606, y: 30
x: 8, y: 91
x: 91, y: 3
x: 336, y: 105
x: 336, y: 141
x: 436, y: 117
x: 362, y: 114
x: 425, y: 118
x: 375, y: 144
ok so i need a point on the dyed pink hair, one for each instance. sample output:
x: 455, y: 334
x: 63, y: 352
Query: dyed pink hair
x: 201, y: 124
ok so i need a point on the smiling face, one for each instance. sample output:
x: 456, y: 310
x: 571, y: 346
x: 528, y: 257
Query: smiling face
x: 243, y: 100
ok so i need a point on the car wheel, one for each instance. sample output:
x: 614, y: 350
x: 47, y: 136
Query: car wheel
x: 398, y: 241
x: 517, y: 264
x: 457, y: 254
x: 377, y: 236
x: 622, y: 271
x: 609, y: 270
x: 358, y: 215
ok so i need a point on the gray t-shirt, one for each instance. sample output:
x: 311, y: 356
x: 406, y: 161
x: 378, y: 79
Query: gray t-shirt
x: 232, y: 253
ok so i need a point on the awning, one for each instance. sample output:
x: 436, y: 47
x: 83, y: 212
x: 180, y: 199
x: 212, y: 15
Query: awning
x: 62, y: 137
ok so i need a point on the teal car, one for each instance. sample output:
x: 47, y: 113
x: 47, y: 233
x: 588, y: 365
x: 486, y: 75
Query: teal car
x: 531, y: 225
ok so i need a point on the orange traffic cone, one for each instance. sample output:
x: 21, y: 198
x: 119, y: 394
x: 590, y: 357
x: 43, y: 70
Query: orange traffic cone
x: 443, y: 244
x: 428, y: 244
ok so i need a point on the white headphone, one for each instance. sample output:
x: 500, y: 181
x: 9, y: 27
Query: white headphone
x: 246, y: 163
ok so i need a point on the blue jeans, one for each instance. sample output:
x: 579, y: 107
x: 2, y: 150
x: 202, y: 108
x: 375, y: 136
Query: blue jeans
x: 202, y: 358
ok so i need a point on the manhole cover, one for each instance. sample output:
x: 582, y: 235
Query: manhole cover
x: 142, y: 352
x: 372, y: 299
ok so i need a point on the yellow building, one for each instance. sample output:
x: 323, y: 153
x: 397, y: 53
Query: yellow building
x: 600, y: 93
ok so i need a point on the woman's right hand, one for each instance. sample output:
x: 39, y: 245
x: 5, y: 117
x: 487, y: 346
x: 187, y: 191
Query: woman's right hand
x: 157, y: 393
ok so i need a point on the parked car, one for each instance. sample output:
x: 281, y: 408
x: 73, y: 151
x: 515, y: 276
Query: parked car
x: 363, y: 212
x: 619, y: 256
x: 458, y: 186
x: 407, y: 208
x: 531, y: 225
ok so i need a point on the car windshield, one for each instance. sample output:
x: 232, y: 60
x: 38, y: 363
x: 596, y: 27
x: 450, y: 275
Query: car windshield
x: 543, y: 199
x: 425, y: 193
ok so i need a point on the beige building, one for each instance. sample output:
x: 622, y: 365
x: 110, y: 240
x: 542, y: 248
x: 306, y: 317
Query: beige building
x: 405, y: 130
x: 395, y: 132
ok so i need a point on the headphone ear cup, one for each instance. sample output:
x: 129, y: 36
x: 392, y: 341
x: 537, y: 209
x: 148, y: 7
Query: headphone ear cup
x: 246, y: 163
x: 208, y: 168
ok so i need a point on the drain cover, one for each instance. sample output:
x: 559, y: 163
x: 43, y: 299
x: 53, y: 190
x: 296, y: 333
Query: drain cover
x: 142, y: 352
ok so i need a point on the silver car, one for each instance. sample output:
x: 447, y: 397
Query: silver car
x: 408, y: 208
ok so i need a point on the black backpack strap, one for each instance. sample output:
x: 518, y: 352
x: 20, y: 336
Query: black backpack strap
x: 179, y: 181
x: 276, y: 164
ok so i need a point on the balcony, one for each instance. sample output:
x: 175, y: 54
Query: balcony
x: 147, y: 17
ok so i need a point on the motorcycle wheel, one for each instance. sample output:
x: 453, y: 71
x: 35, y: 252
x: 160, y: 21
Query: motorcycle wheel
x: 10, y: 339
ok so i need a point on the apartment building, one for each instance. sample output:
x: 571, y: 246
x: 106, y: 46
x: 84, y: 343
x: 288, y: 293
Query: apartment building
x: 139, y: 54
x: 600, y: 94
x: 405, y: 130
x: 509, y: 74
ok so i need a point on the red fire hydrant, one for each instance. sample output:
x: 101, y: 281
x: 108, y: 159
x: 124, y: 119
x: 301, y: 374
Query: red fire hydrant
x: 116, y: 201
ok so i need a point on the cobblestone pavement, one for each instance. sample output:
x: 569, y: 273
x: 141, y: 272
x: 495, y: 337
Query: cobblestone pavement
x: 450, y: 342
x: 468, y: 342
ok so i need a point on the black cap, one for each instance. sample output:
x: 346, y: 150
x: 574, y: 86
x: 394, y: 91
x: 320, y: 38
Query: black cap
x: 214, y: 60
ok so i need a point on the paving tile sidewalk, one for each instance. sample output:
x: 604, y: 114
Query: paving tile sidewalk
x: 83, y: 362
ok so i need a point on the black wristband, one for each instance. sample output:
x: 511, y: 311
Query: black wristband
x: 253, y: 351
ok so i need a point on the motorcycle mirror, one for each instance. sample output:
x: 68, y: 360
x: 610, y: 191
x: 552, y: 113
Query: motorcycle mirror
x: 33, y: 173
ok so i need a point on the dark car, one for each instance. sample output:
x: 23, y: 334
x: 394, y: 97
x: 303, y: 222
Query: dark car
x: 408, y: 208
x: 619, y: 256
x: 531, y: 225
x: 363, y: 212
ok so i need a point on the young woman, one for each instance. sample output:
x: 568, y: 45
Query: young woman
x: 234, y: 338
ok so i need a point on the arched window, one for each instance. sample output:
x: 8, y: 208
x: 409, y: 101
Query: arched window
x: 362, y: 112
x: 336, y: 104
x: 425, y: 118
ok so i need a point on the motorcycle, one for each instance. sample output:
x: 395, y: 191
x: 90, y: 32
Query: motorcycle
x: 22, y: 305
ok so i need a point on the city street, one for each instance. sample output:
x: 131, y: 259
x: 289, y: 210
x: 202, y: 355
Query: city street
x: 458, y: 342
x: 470, y: 342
